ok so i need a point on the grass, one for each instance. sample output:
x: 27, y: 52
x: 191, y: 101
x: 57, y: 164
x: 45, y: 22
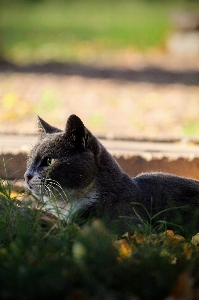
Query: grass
x: 191, y: 128
x: 82, y: 30
x: 43, y: 258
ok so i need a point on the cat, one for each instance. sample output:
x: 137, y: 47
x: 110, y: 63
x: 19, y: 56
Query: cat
x: 78, y: 179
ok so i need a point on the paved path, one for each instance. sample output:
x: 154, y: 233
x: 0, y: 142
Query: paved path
x: 22, y: 143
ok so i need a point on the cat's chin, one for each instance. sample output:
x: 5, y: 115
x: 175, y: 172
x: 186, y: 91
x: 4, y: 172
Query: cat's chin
x: 37, y: 193
x: 34, y: 191
x: 41, y: 196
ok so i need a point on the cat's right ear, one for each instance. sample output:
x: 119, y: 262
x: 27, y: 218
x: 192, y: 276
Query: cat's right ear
x: 80, y: 136
x: 75, y: 130
x: 44, y: 128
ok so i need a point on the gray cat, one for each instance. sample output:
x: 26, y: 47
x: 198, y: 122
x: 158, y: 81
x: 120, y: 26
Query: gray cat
x: 78, y: 179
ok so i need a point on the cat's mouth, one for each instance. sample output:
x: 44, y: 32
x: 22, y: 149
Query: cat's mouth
x: 48, y: 188
x: 35, y: 185
x: 35, y: 190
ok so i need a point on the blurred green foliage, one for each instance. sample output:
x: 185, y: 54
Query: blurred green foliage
x: 182, y: 1
x: 80, y: 30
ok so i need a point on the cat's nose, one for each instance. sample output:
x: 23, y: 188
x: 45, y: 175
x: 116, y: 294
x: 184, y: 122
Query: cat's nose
x: 28, y: 177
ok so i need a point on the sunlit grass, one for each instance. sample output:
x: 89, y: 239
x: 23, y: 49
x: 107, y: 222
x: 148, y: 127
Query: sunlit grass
x: 76, y: 30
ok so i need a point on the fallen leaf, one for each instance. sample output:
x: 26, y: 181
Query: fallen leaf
x: 139, y: 239
x: 188, y: 251
x: 172, y: 239
x: 124, y: 249
x: 170, y: 233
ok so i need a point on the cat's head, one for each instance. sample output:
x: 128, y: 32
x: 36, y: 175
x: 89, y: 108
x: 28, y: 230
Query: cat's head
x: 62, y: 158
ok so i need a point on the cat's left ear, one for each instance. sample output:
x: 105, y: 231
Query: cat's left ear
x: 75, y: 130
x: 44, y: 128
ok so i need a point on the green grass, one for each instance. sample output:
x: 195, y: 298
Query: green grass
x: 191, y: 128
x: 81, y: 30
x: 48, y: 259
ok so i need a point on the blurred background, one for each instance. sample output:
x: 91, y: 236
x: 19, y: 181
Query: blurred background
x: 127, y: 68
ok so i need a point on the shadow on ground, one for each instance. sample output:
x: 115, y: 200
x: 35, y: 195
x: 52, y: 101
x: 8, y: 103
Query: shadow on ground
x: 147, y: 74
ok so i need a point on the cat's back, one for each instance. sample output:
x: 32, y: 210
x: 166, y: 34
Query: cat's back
x: 159, y: 179
x: 163, y: 188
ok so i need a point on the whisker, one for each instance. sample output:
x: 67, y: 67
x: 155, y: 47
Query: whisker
x: 54, y: 182
x: 43, y: 189
x: 50, y: 191
x: 56, y: 207
x: 52, y: 196
x: 53, y: 187
x: 57, y: 184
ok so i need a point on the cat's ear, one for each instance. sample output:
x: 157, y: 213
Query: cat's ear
x: 75, y: 130
x: 44, y: 128
x: 80, y: 136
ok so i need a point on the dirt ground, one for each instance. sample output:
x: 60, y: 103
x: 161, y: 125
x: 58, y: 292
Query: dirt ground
x: 139, y: 96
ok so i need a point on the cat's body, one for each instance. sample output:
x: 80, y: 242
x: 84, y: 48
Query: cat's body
x: 94, y: 184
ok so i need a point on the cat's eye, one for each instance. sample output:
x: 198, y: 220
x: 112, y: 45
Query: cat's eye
x: 50, y: 161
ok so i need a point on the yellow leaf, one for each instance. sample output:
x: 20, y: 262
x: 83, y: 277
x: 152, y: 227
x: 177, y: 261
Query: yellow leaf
x: 124, y: 249
x: 14, y: 194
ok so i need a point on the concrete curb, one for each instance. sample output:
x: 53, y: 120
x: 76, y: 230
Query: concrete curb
x: 133, y: 157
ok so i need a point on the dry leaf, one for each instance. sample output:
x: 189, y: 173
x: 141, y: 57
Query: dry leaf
x: 177, y: 239
x: 124, y: 249
x: 172, y: 239
x: 170, y: 233
x: 188, y: 251
x: 139, y: 239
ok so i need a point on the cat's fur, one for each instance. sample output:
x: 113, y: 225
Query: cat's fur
x: 94, y: 184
